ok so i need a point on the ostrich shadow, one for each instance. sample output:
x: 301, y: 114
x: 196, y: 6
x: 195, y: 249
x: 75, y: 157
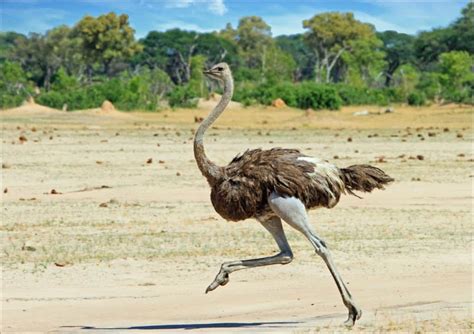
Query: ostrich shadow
x: 191, y: 326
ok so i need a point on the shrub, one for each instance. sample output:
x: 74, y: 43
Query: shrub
x: 183, y: 97
x: 416, y: 99
x: 352, y: 95
x: 305, y: 95
x: 14, y: 85
x: 142, y: 91
x: 311, y: 95
x: 53, y: 99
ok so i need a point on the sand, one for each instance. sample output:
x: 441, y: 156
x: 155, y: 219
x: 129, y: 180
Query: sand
x: 125, y: 245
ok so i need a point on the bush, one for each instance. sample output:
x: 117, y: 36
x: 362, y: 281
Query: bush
x: 53, y: 99
x: 352, y: 95
x: 14, y: 85
x: 183, y: 97
x: 143, y: 91
x: 416, y: 99
x: 311, y: 95
x: 305, y: 95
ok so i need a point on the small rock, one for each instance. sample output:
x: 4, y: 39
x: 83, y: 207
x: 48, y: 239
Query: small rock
x: 61, y: 264
x: 446, y: 129
x: 198, y: 119
x: 103, y: 205
x: 161, y: 161
x: 55, y: 192
x: 349, y: 139
x: 361, y: 113
x: 149, y: 161
x: 28, y: 248
x: 420, y: 157
x: 335, y: 157
x: 6, y: 165
x: 5, y: 190
x: 459, y: 135
x: 178, y: 174
x: 461, y: 155
x: 22, y: 139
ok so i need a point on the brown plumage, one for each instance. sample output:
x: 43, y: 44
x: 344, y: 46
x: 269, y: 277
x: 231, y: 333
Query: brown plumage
x: 242, y: 190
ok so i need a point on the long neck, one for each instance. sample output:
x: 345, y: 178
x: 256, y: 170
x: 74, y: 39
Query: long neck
x: 210, y: 170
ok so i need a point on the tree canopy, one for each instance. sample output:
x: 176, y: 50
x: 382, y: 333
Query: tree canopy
x: 100, y: 58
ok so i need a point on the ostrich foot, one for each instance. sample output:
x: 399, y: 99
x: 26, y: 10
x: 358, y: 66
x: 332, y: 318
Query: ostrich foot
x: 354, y: 314
x: 222, y: 278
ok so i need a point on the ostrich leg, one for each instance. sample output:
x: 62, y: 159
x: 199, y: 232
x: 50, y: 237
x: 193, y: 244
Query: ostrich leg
x: 293, y: 211
x: 285, y: 256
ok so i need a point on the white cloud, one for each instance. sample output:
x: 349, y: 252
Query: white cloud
x: 215, y: 6
x: 218, y: 7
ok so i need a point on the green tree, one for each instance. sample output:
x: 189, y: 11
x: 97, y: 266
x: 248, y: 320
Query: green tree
x: 399, y: 50
x: 464, y: 29
x: 456, y: 75
x: 302, y: 56
x: 105, y: 40
x: 196, y: 82
x: 62, y: 82
x: 279, y: 65
x: 366, y: 61
x: 42, y: 55
x: 254, y: 38
x: 406, y: 78
x: 8, y: 41
x: 173, y: 50
x: 330, y: 35
x: 430, y: 44
x: 14, y: 85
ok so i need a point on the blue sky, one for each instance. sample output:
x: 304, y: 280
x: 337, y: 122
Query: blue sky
x: 285, y: 16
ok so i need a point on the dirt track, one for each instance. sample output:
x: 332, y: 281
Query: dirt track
x: 139, y: 253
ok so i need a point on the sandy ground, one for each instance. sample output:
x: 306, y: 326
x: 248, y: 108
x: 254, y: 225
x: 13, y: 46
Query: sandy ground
x: 125, y: 245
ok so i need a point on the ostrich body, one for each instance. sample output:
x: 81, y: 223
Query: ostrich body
x: 275, y: 185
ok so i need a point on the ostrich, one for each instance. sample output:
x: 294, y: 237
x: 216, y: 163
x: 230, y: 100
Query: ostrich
x: 275, y: 185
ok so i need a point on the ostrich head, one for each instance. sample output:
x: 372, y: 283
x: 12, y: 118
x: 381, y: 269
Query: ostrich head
x: 219, y: 72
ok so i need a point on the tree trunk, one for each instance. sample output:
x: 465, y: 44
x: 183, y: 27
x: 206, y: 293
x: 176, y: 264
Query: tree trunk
x: 391, y: 69
x: 330, y: 65
x: 47, y: 78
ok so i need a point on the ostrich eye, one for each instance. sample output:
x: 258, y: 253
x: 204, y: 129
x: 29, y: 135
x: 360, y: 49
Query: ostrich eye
x: 220, y: 68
